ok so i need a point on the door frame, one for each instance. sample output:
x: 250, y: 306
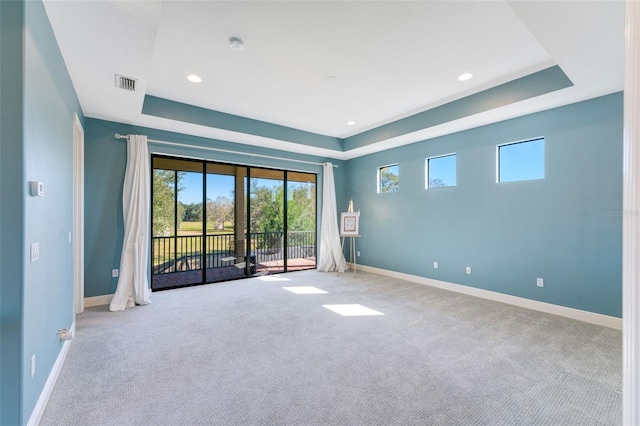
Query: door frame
x: 246, y: 206
x: 77, y: 233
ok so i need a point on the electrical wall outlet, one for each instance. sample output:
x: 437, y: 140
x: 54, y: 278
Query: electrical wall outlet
x: 435, y: 265
x: 33, y: 365
x: 35, y: 252
x: 468, y: 270
x: 540, y: 282
x: 115, y: 273
x: 358, y: 253
x: 36, y: 188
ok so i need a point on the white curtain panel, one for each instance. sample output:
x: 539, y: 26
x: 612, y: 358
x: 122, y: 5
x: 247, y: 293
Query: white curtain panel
x: 331, y: 258
x: 133, y: 284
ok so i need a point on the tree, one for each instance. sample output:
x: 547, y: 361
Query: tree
x: 164, y: 199
x: 301, y: 213
x: 220, y: 211
x: 266, y: 207
x: 389, y: 179
x: 192, y: 212
x: 301, y: 207
x: 436, y: 183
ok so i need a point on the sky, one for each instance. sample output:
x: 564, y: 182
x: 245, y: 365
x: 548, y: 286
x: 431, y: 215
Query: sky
x: 443, y: 168
x: 522, y: 161
x: 217, y: 185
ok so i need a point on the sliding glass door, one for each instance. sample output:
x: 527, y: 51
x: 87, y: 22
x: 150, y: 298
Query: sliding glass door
x: 216, y: 222
x: 267, y: 219
x: 301, y: 221
x: 226, y: 223
x: 177, y: 223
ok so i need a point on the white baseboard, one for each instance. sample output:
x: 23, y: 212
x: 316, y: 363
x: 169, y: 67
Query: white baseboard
x: 38, y: 410
x: 563, y: 311
x: 97, y: 300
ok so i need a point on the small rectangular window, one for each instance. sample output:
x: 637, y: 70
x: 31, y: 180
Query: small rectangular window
x: 388, y: 178
x: 440, y: 171
x: 521, y: 161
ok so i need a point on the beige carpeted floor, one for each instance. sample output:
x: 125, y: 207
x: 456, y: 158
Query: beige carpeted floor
x: 252, y: 353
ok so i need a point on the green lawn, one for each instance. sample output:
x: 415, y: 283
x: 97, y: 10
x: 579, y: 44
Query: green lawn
x: 165, y: 249
x: 195, y: 228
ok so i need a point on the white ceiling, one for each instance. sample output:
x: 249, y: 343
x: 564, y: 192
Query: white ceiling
x: 391, y: 59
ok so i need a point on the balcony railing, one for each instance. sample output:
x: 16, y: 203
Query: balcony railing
x: 184, y: 253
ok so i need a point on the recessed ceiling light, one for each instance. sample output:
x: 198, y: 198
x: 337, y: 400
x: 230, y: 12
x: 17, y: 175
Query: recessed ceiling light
x: 351, y: 123
x: 236, y: 43
x: 466, y: 76
x: 194, y: 78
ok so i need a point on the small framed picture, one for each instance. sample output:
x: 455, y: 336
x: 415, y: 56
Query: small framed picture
x: 349, y: 223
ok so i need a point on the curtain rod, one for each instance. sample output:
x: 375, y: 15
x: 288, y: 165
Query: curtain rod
x: 228, y: 151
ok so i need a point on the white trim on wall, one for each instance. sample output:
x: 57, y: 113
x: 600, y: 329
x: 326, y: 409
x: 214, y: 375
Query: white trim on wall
x: 78, y: 215
x: 631, y: 220
x: 576, y: 314
x: 41, y: 405
x: 90, y: 302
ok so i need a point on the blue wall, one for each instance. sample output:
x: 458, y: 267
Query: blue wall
x: 11, y: 213
x: 105, y: 162
x: 45, y: 103
x: 565, y: 228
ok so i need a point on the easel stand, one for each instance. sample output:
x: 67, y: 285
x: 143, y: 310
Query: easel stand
x: 353, y: 258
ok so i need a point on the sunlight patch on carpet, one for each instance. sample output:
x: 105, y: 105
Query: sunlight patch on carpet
x: 272, y: 278
x: 352, y: 310
x: 305, y: 290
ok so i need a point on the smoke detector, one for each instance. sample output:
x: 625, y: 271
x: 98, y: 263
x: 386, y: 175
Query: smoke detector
x: 236, y: 43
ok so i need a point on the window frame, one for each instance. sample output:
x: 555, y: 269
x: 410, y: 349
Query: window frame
x: 516, y: 143
x: 378, y: 171
x: 426, y: 170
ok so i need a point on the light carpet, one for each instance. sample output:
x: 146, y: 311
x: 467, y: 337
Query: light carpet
x: 251, y: 353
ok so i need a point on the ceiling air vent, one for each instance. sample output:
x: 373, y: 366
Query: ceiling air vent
x: 126, y: 83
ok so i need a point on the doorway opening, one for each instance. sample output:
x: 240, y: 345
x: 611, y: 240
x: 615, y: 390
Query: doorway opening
x: 214, y: 222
